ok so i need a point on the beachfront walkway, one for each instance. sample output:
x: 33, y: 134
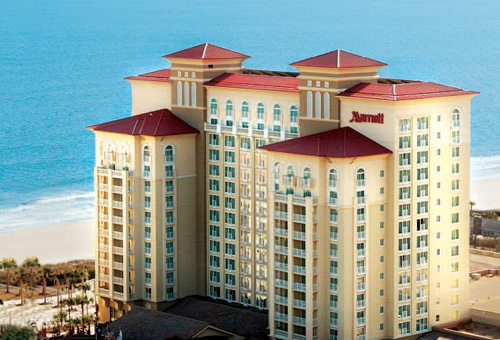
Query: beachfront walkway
x: 32, y: 311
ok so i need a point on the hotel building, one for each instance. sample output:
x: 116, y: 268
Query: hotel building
x: 332, y: 197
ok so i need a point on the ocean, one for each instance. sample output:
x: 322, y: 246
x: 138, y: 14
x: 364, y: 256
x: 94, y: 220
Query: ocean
x: 62, y: 64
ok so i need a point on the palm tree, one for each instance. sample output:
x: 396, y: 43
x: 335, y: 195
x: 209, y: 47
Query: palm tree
x: 57, y: 277
x: 69, y: 303
x: 84, y: 288
x: 31, y: 262
x: 8, y: 263
x: 46, y: 273
x: 59, y: 318
x: 20, y: 277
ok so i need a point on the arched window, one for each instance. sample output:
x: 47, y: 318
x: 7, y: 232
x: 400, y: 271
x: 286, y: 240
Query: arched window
x: 229, y: 113
x: 333, y: 178
x: 169, y: 154
x: 186, y: 93
x: 276, y: 171
x: 124, y: 153
x: 294, y: 113
x: 110, y: 152
x: 307, y: 173
x: 245, y: 109
x: 179, y: 93
x: 213, y: 107
x: 318, y: 105
x: 327, y: 106
x: 455, y: 119
x: 277, y: 113
x: 290, y: 171
x: 261, y: 109
x: 193, y: 94
x: 309, y: 104
x: 146, y: 153
x: 360, y: 178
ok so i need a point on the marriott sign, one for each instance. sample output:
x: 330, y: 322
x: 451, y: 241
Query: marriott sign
x: 366, y: 118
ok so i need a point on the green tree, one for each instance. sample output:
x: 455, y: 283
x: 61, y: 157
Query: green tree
x: 8, y: 263
x: 20, y: 276
x: 31, y: 262
x: 45, y: 272
x: 59, y: 318
x: 17, y: 333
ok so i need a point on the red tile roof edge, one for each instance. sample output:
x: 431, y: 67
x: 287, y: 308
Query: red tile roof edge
x: 200, y: 51
x: 162, y: 75
x: 309, y: 62
x: 279, y: 84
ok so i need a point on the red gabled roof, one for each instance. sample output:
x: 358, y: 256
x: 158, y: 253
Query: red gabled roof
x: 398, y: 92
x: 207, y: 52
x: 155, y: 123
x: 339, y: 143
x: 338, y: 59
x: 160, y: 76
x: 255, y: 82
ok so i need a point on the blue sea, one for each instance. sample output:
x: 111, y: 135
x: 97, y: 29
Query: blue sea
x: 62, y: 64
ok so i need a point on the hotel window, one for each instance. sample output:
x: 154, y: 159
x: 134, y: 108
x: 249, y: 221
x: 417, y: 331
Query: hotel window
x: 260, y: 112
x: 455, y: 201
x: 169, y: 187
x: 214, y: 291
x: 404, y: 227
x: 327, y: 106
x: 147, y: 187
x: 422, y: 123
x: 169, y: 202
x: 230, y: 187
x: 186, y: 93
x: 229, y: 113
x: 213, y: 185
x: 422, y: 258
x: 169, y: 154
x: 245, y: 110
x: 229, y: 156
x: 404, y: 193
x: 422, y: 241
x: 214, y: 216
x: 213, y: 140
x: 229, y: 203
x: 422, y: 207
x: 229, y: 141
x: 404, y: 125
x: 333, y: 198
x: 147, y: 233
x: 193, y: 94
x: 294, y: 113
x: 439, y: 135
x: 147, y: 202
x: 404, y: 278
x: 333, y: 178
x: 404, y: 210
x: 454, y: 218
x: 169, y: 215
x: 230, y: 264
x: 404, y: 142
x: 404, y: 176
x: 334, y: 301
x: 455, y: 137
x: 360, y: 178
x: 169, y: 262
x: 179, y: 93
x: 230, y: 249
x: 213, y: 155
x: 147, y: 248
x: 259, y: 143
x: 404, y: 311
x: 309, y: 104
x: 404, y: 159
x: 169, y: 233
x: 421, y: 307
x: 438, y: 152
x: 277, y: 118
x: 213, y: 112
x: 404, y: 244
x: 455, y: 119
x: 360, y: 212
x: 422, y: 140
x: 404, y: 261
x: 214, y: 246
x: 454, y: 267
x: 169, y: 247
x: 229, y: 218
x: 422, y: 224
x: 361, y: 197
x: 318, y: 105
x: 147, y: 217
x: 422, y: 157
x: 455, y: 184
x: 333, y: 267
x: 422, y: 190
x: 422, y: 325
x: 454, y: 251
x: 245, y: 143
x: 455, y: 151
x: 214, y: 276
x: 422, y: 174
x: 214, y: 261
x: 333, y: 216
x: 455, y: 234
x: 213, y: 170
x: 230, y: 279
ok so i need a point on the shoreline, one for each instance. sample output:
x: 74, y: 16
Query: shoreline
x: 51, y: 244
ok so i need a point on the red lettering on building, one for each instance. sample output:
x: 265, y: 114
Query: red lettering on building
x: 366, y: 118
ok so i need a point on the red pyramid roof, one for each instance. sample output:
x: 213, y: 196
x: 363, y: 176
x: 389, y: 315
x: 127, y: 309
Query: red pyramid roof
x: 406, y: 91
x: 344, y: 142
x: 155, y: 123
x: 207, y: 52
x: 255, y: 82
x: 338, y: 59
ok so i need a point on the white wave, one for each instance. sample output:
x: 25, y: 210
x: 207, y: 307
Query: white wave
x: 485, y: 167
x: 67, y: 208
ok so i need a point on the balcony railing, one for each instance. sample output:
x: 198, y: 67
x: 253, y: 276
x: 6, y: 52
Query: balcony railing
x: 281, y: 300
x: 299, y: 270
x: 299, y: 286
x: 118, y: 250
x: 299, y: 321
x: 281, y: 215
x: 281, y: 266
x: 117, y: 235
x: 299, y: 252
x: 118, y: 280
x: 299, y: 303
x: 281, y: 317
x: 299, y: 218
x: 299, y: 235
x: 281, y: 232
x: 281, y: 249
x: 361, y: 321
x: 281, y: 283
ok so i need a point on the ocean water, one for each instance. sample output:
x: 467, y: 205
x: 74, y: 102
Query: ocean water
x: 62, y: 64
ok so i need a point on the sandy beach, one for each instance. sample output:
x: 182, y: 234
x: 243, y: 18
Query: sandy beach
x: 51, y: 244
x: 485, y: 193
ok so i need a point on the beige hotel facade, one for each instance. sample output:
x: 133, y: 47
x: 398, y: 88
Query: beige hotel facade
x: 333, y: 198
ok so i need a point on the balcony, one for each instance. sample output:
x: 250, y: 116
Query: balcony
x: 299, y: 252
x: 281, y: 215
x: 361, y: 200
x: 169, y: 235
x: 281, y: 266
x: 361, y: 321
x: 118, y: 265
x: 170, y: 251
x: 299, y: 218
x: 117, y: 188
x: 118, y: 280
x: 361, y: 337
x: 280, y: 334
x: 118, y: 250
x: 103, y: 262
x: 118, y: 219
x: 299, y: 321
x: 299, y: 304
x: 333, y: 304
x: 103, y: 217
x: 118, y: 235
x: 103, y: 202
x: 103, y: 187
x: 361, y: 270
x: 360, y: 183
x: 333, y: 236
x: 301, y: 287
x: 170, y: 296
x: 281, y: 283
x: 281, y: 300
x: 104, y: 277
x: 334, y: 287
x: 301, y: 337
x: 103, y: 232
x: 299, y: 235
x: 361, y: 235
x: 299, y: 270
x: 361, y: 304
x: 146, y: 174
x: 171, y: 281
x: 280, y: 317
x: 281, y: 232
x: 281, y: 249
x: 361, y: 218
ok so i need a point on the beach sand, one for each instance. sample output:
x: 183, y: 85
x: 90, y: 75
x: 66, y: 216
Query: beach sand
x: 51, y: 244
x: 485, y: 193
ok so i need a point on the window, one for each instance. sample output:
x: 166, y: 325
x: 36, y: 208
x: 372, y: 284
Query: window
x: 179, y: 93
x: 381, y: 277
x: 404, y: 227
x: 422, y: 207
x: 213, y: 139
x: 455, y: 119
x: 327, y: 106
x: 404, y: 210
x: 404, y: 244
x: 229, y: 156
x: 214, y: 246
x: 455, y: 168
x: 309, y: 104
x: 422, y: 224
x: 214, y: 230
x: 213, y: 155
x: 193, y: 94
x: 404, y: 193
x: 404, y: 159
x: 260, y: 111
x: 186, y: 93
x: 455, y: 201
x: 360, y: 178
x: 455, y: 234
x: 455, y: 184
x: 213, y: 170
x: 404, y: 142
x: 147, y: 248
x: 245, y: 110
x: 332, y: 178
x: 318, y: 105
x: 381, y: 191
x: 454, y: 251
x: 229, y: 141
x: 213, y: 185
x: 277, y: 116
x: 169, y: 154
x: 214, y: 216
x: 422, y: 123
x: 229, y: 113
x: 454, y: 218
x: 422, y: 140
x: 404, y: 176
x: 404, y: 125
x: 294, y: 113
x: 422, y: 174
x: 454, y: 267
x: 214, y: 261
x: 422, y: 157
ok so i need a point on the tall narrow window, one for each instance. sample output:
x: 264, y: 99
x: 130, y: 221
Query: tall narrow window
x: 179, y: 93
x: 327, y: 106
x: 186, y: 93
x: 193, y: 94
x: 360, y: 178
x: 455, y: 119
x: 277, y: 118
x: 318, y: 105
x: 260, y: 116
x: 332, y: 178
x: 213, y: 111
x: 229, y: 113
x: 309, y: 104
x: 245, y: 113
x: 169, y: 154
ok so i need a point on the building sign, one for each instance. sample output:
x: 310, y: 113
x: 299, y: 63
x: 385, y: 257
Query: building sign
x: 366, y: 118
